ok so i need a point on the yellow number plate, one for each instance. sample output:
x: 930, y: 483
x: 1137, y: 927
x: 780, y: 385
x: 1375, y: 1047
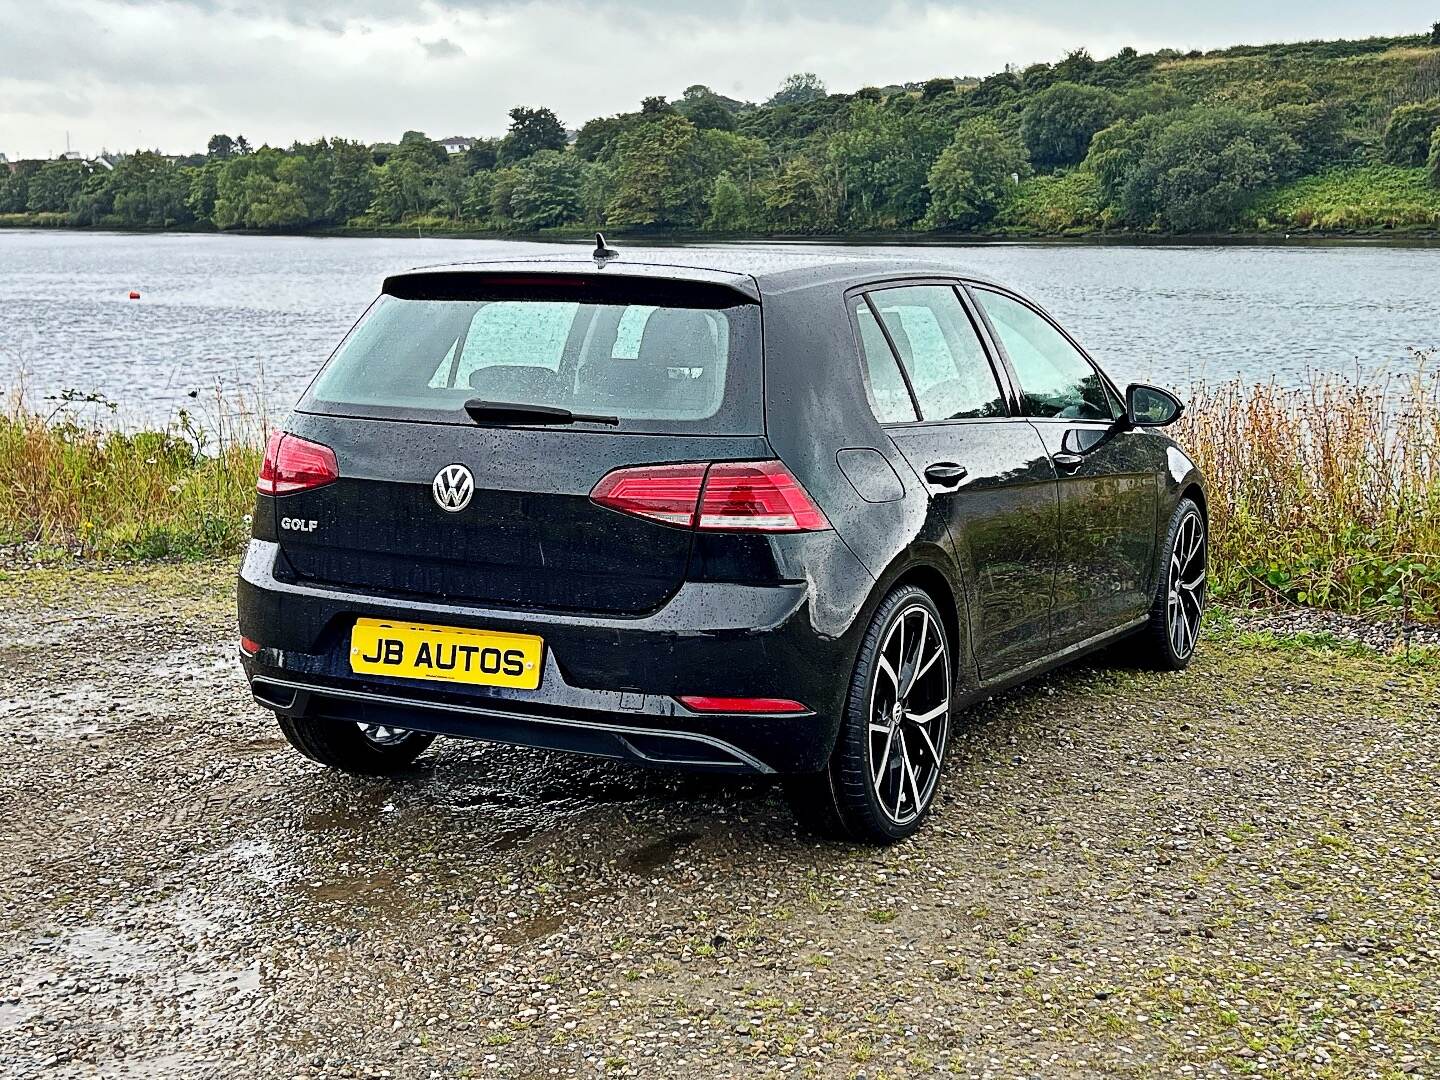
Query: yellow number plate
x: 446, y: 654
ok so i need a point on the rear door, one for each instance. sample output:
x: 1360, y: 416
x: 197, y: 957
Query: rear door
x: 1108, y: 485
x: 985, y: 470
x: 673, y: 370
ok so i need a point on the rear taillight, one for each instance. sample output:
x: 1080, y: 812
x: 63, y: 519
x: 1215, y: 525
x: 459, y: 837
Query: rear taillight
x: 757, y: 496
x: 249, y: 646
x: 727, y: 496
x: 294, y: 464
x: 667, y: 493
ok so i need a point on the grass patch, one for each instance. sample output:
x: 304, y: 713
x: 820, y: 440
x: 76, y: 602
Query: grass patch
x: 1368, y: 197
x: 1327, y: 495
x: 74, y: 489
x: 1055, y: 204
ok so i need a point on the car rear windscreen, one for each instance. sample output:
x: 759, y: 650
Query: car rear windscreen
x: 655, y: 358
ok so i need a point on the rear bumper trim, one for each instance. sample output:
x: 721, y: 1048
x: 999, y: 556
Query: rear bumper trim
x: 643, y: 745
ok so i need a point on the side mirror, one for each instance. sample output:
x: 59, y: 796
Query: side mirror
x: 1149, y: 406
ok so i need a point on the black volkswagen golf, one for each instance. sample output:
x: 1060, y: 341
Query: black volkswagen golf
x: 732, y: 511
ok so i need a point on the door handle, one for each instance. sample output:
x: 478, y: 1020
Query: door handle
x: 945, y: 473
x: 1067, y: 462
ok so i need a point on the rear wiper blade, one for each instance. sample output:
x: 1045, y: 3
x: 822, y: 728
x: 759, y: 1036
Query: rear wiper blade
x: 514, y: 412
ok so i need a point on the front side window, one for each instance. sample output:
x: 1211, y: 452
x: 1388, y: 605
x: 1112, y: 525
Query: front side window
x: 1055, y: 378
x: 941, y: 351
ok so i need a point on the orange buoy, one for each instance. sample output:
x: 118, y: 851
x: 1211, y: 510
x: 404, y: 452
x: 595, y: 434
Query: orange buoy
x: 134, y: 294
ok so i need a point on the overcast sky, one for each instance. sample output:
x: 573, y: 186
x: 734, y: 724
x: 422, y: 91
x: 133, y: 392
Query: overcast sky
x: 122, y: 74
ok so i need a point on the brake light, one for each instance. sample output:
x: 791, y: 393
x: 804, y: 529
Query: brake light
x: 727, y: 496
x: 706, y: 704
x: 249, y: 646
x: 294, y: 464
x: 757, y: 496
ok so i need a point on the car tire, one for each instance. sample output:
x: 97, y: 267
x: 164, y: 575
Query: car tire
x: 1167, y: 640
x: 889, y: 756
x: 363, y: 749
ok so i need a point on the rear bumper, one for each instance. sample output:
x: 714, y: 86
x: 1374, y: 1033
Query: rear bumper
x: 608, y: 686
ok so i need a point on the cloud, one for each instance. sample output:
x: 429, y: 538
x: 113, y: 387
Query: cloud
x: 440, y: 49
x: 169, y: 73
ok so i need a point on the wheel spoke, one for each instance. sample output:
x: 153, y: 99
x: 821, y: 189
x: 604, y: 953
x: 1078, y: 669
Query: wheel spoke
x: 900, y: 774
x: 913, y: 672
x: 910, y: 773
x: 926, y: 717
x: 884, y: 758
x: 889, y: 671
x: 930, y: 743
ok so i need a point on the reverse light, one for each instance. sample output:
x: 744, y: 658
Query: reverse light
x: 705, y: 704
x: 726, y: 496
x: 294, y: 464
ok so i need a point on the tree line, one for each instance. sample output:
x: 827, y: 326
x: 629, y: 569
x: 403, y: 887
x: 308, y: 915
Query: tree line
x: 1158, y: 150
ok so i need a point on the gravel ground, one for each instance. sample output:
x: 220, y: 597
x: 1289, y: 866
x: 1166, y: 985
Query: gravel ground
x: 1225, y: 872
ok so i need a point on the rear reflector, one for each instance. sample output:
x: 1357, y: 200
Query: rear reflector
x: 703, y: 703
x: 249, y: 647
x: 728, y: 496
x: 294, y: 464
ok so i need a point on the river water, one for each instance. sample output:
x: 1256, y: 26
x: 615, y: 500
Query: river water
x: 254, y: 316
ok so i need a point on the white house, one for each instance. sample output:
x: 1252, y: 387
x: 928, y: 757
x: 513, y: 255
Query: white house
x: 456, y: 144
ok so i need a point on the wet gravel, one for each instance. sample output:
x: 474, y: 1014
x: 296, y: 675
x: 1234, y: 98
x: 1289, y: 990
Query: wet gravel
x: 1230, y: 871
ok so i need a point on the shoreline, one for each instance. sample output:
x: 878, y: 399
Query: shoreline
x: 1409, y: 236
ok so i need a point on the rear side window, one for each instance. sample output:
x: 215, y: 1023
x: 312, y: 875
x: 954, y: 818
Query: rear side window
x: 942, y: 353
x: 884, y: 385
x: 1055, y: 378
x: 659, y: 365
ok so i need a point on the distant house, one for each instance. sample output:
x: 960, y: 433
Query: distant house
x: 71, y: 155
x: 456, y: 144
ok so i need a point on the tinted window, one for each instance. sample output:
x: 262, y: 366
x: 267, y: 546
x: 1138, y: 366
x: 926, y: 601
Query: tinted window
x: 639, y: 362
x: 941, y: 352
x: 1055, y: 378
x: 515, y: 332
x: 884, y: 386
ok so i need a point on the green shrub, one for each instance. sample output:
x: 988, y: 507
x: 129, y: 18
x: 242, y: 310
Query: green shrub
x: 1190, y: 171
x: 974, y: 175
x: 1060, y: 121
x: 1408, y: 132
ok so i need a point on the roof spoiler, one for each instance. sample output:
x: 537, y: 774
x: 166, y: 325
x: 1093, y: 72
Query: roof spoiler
x: 558, y: 281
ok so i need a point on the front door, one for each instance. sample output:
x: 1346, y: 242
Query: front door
x: 1107, y: 479
x: 987, y: 472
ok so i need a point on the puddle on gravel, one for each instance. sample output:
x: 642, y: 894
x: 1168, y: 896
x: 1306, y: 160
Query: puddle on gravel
x: 130, y: 973
x: 348, y: 810
x: 202, y: 662
x: 257, y: 857
x: 647, y: 859
x: 13, y: 1016
x: 379, y: 889
x: 73, y: 713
